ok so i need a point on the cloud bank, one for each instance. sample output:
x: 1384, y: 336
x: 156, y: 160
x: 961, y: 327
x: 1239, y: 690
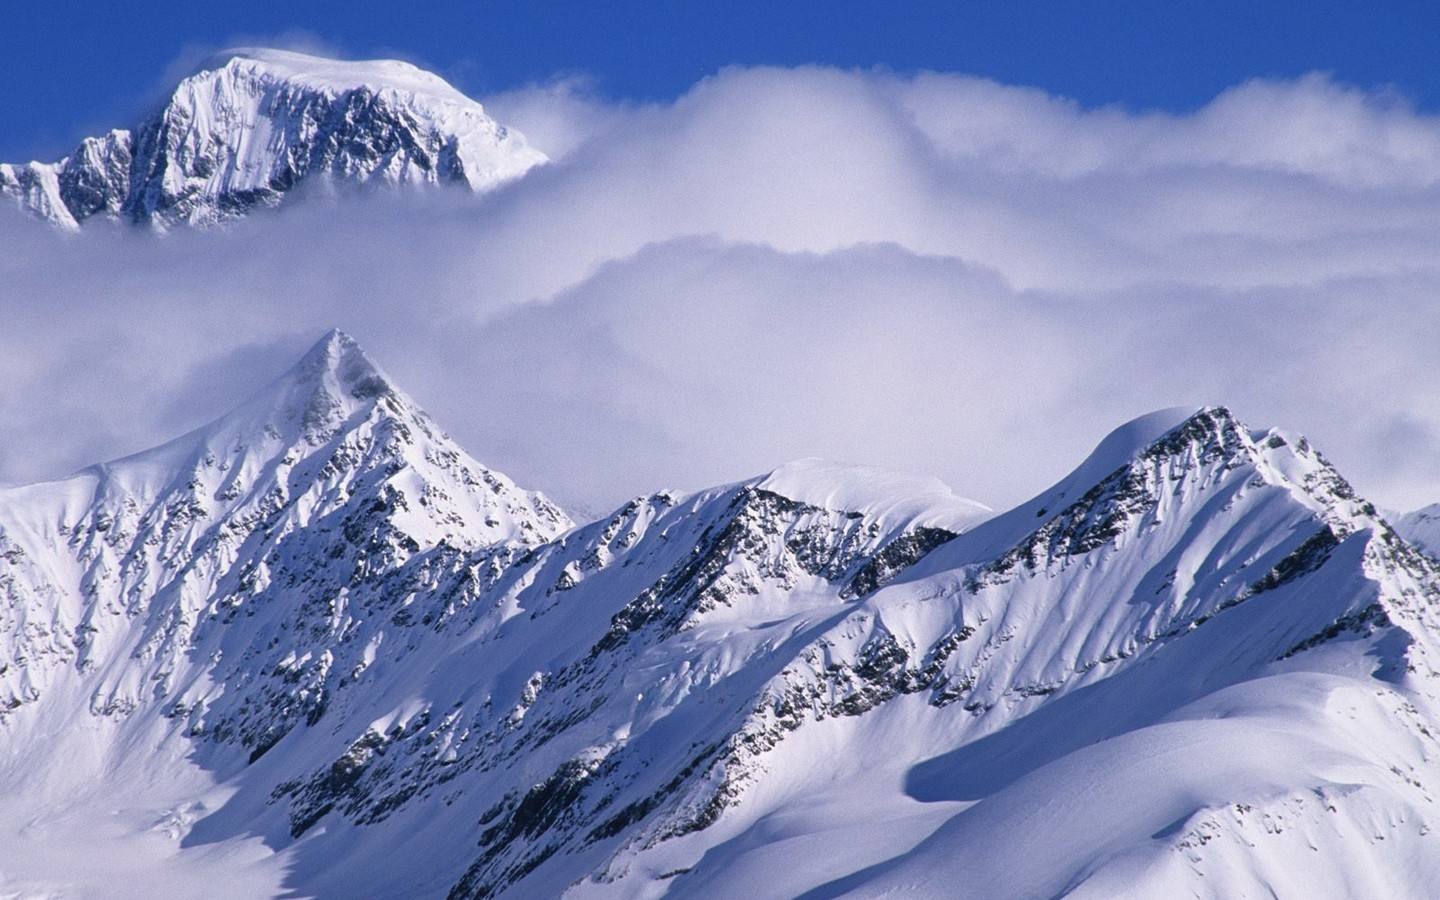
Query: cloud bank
x: 934, y: 272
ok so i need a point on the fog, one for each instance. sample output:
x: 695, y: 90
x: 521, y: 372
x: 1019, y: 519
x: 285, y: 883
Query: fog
x: 936, y: 273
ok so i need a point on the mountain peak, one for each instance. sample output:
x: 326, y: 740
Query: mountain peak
x: 401, y: 644
x: 331, y: 428
x: 1144, y: 433
x: 1119, y: 470
x: 338, y: 360
x: 331, y: 382
x: 251, y: 124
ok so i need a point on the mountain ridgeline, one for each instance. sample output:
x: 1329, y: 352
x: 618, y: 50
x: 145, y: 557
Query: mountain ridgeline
x: 315, y: 647
x: 253, y: 125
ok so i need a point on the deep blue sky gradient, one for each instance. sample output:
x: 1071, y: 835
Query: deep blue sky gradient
x: 73, y: 67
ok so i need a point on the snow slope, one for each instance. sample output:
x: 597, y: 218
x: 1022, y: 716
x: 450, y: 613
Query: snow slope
x: 328, y: 477
x: 254, y: 124
x: 1421, y: 527
x: 314, y: 648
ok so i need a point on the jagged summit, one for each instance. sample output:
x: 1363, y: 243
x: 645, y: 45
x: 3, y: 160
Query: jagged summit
x: 1151, y: 435
x: 1132, y: 438
x: 1145, y: 482
x: 335, y: 378
x: 252, y: 125
x: 326, y: 482
x: 337, y: 355
x: 335, y: 366
x: 333, y: 383
x: 333, y: 421
x: 1175, y: 439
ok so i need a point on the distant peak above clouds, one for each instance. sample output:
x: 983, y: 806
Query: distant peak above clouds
x: 253, y: 124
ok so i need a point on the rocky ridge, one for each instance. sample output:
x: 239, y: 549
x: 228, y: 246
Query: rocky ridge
x: 372, y: 641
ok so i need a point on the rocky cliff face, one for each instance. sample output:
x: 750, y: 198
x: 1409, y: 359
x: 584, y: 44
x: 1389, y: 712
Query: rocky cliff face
x: 404, y: 676
x: 254, y: 125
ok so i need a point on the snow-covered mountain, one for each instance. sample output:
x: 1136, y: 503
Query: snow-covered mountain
x: 254, y: 124
x: 316, y: 648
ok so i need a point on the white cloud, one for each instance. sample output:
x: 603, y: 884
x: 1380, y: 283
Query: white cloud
x: 934, y: 272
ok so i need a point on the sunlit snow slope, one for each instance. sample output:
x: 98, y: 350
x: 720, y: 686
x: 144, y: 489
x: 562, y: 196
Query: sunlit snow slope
x: 314, y: 648
x: 254, y: 124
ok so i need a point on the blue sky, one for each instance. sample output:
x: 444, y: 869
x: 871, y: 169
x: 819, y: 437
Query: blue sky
x: 71, y: 68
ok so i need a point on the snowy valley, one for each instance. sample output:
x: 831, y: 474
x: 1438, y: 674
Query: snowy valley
x: 315, y: 649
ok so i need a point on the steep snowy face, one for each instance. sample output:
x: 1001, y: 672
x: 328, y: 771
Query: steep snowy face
x: 1194, y: 661
x: 784, y: 722
x: 660, y: 691
x: 352, y: 678
x: 590, y: 682
x: 1190, y: 569
x: 254, y: 124
x: 328, y: 479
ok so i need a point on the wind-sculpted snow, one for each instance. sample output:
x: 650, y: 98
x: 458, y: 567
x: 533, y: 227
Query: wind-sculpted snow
x: 319, y: 629
x: 254, y: 124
